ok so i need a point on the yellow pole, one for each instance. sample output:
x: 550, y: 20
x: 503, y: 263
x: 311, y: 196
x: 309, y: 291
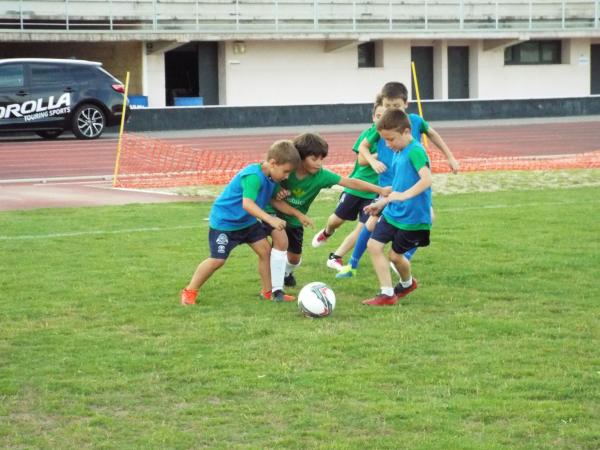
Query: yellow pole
x: 118, y: 160
x: 414, y: 72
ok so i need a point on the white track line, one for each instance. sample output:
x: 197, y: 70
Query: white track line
x: 48, y: 180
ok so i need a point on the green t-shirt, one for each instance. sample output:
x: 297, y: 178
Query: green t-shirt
x: 251, y: 185
x: 304, y: 191
x: 364, y: 173
x: 363, y: 135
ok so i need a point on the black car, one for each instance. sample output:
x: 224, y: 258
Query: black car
x: 49, y: 96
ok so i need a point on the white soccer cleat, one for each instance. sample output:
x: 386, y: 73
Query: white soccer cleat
x: 319, y: 239
x: 335, y: 263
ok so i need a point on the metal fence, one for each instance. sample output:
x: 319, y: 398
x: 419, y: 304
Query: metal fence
x: 297, y: 16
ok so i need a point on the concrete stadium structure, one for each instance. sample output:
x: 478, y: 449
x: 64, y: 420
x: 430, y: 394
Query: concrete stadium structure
x: 286, y: 52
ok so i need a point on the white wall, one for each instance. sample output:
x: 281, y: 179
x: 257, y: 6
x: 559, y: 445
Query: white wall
x: 154, y: 78
x: 302, y: 72
x: 570, y: 79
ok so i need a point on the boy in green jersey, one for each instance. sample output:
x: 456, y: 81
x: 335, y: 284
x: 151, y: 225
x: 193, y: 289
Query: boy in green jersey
x: 352, y: 201
x: 302, y: 187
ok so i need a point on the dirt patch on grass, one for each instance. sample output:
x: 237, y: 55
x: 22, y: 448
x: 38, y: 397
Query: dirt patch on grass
x: 446, y: 184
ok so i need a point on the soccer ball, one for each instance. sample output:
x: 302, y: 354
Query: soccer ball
x: 316, y: 300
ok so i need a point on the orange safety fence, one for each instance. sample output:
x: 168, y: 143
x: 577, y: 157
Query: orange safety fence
x: 152, y: 163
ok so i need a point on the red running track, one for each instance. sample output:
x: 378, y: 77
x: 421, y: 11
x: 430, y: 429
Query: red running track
x: 68, y: 157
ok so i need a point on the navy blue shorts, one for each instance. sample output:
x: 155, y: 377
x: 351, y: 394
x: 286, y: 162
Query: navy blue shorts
x: 295, y: 237
x: 402, y: 240
x: 222, y: 242
x: 350, y: 206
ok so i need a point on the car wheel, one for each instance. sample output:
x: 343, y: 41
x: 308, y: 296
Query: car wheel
x: 88, y: 121
x: 49, y: 134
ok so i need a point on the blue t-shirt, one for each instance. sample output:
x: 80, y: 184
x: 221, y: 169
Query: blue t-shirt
x: 414, y: 213
x: 227, y: 212
x: 386, y: 155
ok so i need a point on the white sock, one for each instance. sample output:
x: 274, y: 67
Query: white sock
x: 278, y: 260
x: 406, y: 283
x: 289, y: 267
x: 387, y: 290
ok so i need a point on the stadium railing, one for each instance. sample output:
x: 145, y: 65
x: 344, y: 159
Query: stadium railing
x: 308, y: 16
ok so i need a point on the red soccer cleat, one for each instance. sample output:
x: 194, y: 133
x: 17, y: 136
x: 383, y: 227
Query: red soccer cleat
x: 381, y: 300
x: 188, y: 297
x: 401, y: 291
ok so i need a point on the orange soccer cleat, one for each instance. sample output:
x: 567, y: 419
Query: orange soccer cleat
x: 188, y: 297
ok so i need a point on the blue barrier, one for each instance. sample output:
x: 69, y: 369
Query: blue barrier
x: 138, y: 101
x: 189, y: 101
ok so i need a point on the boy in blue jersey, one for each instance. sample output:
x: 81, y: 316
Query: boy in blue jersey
x: 234, y: 214
x: 395, y: 95
x: 405, y: 214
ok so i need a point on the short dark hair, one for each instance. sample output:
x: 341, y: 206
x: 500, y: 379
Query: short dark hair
x: 377, y: 104
x: 394, y: 89
x: 394, y: 119
x: 311, y: 144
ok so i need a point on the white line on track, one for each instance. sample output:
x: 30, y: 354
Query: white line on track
x: 140, y: 191
x: 57, y: 180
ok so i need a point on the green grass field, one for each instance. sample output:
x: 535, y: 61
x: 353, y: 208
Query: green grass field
x: 497, y: 349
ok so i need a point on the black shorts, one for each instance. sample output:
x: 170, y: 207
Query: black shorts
x: 350, y: 206
x: 222, y: 242
x: 402, y: 240
x: 295, y: 237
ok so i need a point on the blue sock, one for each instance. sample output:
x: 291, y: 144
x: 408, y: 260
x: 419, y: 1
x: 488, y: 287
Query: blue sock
x: 360, y: 247
x: 409, y: 254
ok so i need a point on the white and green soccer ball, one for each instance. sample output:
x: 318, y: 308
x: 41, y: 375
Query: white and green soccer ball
x: 316, y: 299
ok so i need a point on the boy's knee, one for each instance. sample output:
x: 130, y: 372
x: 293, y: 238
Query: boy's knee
x: 294, y: 258
x: 374, y: 246
x: 280, y: 245
x: 279, y: 240
x: 217, y: 263
x: 334, y: 221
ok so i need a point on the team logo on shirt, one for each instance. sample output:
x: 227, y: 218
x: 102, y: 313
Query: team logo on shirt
x: 296, y: 197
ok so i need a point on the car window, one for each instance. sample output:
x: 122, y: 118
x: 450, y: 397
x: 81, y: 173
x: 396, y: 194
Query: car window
x: 46, y: 74
x: 81, y: 73
x: 12, y: 75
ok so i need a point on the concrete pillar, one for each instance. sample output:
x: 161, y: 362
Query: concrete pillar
x: 440, y: 70
x: 154, y: 78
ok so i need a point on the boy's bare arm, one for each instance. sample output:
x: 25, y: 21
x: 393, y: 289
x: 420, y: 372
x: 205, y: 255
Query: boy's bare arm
x: 364, y: 152
x: 361, y: 185
x: 424, y: 182
x: 252, y: 208
x: 286, y: 208
x: 439, y: 143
